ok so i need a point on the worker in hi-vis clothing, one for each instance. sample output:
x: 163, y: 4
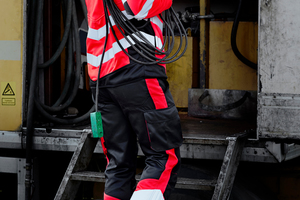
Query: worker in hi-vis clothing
x: 135, y: 103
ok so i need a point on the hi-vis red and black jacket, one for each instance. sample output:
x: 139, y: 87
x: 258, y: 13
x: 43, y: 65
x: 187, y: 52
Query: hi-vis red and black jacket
x: 115, y: 58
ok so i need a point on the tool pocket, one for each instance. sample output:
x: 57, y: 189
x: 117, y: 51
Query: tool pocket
x: 164, y: 128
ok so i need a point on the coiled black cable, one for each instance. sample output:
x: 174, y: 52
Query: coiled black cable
x: 139, y: 43
x: 43, y: 108
x: 70, y: 23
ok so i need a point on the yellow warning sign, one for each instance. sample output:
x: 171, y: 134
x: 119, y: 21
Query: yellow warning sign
x: 8, y: 93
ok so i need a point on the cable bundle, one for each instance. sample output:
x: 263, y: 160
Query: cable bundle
x: 139, y: 43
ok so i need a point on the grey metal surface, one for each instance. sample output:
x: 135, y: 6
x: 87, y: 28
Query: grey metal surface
x: 79, y: 162
x: 229, y: 167
x: 88, y: 176
x: 195, y: 184
x: 276, y: 149
x: 222, y: 97
x: 182, y: 183
x: 15, y: 166
x: 210, y: 147
x: 292, y: 152
x: 278, y: 116
x: 278, y: 49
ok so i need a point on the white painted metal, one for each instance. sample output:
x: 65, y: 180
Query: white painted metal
x: 278, y: 116
x: 279, y: 69
x: 279, y: 41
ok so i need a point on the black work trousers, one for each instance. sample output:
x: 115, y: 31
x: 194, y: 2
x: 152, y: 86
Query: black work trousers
x: 143, y: 112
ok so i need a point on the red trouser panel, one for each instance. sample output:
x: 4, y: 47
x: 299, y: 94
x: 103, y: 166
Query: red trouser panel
x: 107, y: 197
x: 156, y: 93
x: 162, y: 182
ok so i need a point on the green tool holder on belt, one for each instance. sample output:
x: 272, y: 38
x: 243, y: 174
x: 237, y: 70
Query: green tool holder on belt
x: 96, y: 123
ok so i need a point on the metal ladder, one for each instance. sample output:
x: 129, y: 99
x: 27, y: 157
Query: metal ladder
x: 76, y: 173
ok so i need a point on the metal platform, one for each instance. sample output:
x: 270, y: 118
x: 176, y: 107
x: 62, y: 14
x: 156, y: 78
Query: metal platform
x: 203, y: 139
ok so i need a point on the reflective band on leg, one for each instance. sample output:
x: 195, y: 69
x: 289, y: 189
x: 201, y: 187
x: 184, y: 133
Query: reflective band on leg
x: 147, y: 195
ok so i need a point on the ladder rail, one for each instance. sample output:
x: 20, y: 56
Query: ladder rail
x: 79, y: 162
x: 229, y: 166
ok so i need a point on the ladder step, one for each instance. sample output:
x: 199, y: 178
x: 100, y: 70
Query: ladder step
x: 182, y: 183
x: 195, y: 184
x: 88, y: 176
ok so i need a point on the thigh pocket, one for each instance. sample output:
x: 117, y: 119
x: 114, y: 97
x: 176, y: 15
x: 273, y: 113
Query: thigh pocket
x: 164, y: 128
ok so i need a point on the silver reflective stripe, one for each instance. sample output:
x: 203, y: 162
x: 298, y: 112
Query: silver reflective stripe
x: 157, y: 21
x: 10, y: 50
x: 147, y: 195
x: 144, y: 12
x: 109, y: 54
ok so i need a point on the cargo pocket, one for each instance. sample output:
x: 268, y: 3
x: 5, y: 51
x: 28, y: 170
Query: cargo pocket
x: 164, y: 128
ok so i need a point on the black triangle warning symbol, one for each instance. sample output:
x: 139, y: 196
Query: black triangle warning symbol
x: 8, y: 90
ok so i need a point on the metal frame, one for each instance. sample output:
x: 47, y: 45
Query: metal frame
x: 229, y: 167
x: 15, y: 166
x: 24, y: 60
x: 209, y: 147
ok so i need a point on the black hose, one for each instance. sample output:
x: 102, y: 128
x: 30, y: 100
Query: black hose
x: 77, y: 72
x: 29, y: 132
x: 69, y: 71
x: 64, y: 39
x: 233, y: 40
x: 31, y: 28
x: 84, y: 9
x: 101, y: 62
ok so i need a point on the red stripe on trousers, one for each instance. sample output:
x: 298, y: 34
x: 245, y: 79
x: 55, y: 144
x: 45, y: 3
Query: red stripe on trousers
x: 156, y: 93
x: 107, y: 197
x: 104, y: 149
x: 162, y: 182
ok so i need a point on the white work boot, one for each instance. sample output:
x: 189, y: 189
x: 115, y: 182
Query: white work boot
x: 147, y: 195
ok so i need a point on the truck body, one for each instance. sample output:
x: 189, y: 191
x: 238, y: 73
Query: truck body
x: 270, y: 111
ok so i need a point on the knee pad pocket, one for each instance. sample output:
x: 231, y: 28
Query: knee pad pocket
x: 164, y: 128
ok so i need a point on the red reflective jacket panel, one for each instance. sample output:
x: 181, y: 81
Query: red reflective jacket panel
x: 114, y: 57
